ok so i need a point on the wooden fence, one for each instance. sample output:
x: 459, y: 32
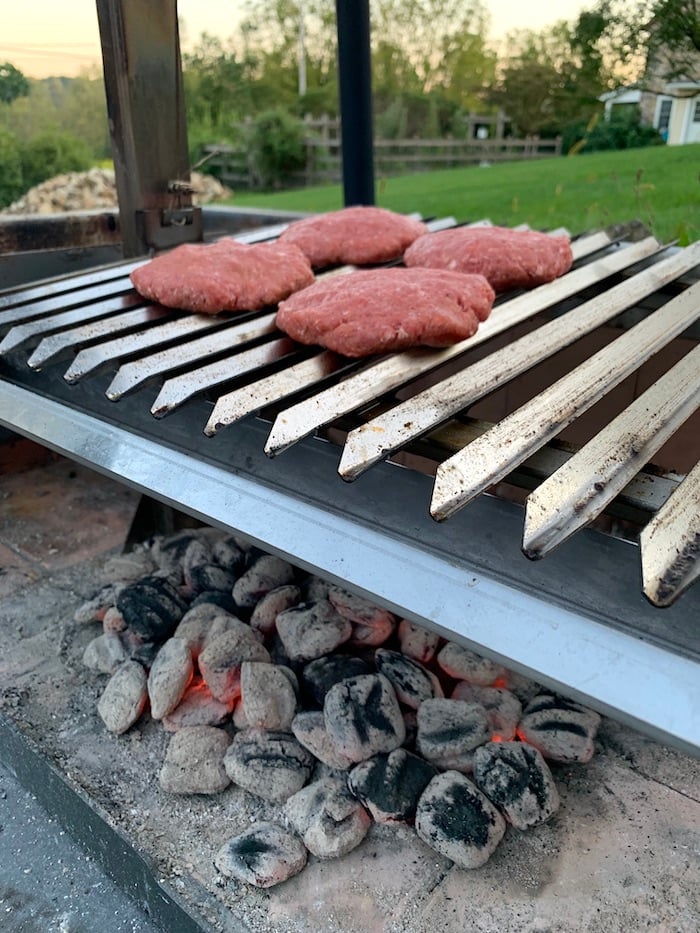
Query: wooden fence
x: 485, y: 143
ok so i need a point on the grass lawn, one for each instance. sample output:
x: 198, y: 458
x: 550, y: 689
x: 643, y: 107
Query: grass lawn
x: 659, y: 185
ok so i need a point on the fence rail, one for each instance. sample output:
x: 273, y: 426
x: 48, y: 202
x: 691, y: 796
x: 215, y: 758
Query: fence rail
x: 485, y: 144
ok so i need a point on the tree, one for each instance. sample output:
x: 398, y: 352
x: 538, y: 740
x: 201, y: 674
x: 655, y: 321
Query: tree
x: 13, y: 84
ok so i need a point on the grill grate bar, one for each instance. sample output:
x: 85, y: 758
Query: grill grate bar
x: 670, y: 544
x: 68, y: 285
x: 302, y: 419
x: 75, y: 299
x: 579, y: 491
x: 414, y: 417
x: 491, y: 457
x: 56, y: 345
x: 233, y: 406
x: 132, y: 374
x: 24, y: 333
x: 178, y: 389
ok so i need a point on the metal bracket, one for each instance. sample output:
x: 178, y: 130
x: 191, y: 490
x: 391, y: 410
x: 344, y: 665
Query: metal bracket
x: 165, y: 228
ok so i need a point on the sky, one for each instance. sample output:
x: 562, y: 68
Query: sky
x: 46, y: 37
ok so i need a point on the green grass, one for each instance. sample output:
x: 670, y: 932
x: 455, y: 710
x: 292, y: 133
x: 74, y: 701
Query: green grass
x: 659, y: 186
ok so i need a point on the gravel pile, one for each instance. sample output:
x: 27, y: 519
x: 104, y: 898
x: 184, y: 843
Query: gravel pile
x: 95, y: 190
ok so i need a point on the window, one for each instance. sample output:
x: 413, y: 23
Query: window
x: 696, y: 112
x: 664, y: 117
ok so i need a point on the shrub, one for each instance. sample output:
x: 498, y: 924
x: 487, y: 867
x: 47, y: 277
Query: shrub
x: 11, y: 186
x: 52, y: 154
x: 276, y: 148
x: 623, y: 131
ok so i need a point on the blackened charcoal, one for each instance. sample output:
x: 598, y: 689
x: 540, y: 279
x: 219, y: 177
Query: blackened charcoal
x: 216, y: 598
x: 330, y: 821
x: 152, y: 607
x: 390, y: 785
x: 502, y: 707
x: 272, y: 765
x: 229, y: 554
x: 359, y: 610
x: 449, y: 731
x: 561, y: 729
x: 205, y: 577
x: 515, y: 777
x: 265, y: 574
x: 169, y: 552
x: 458, y: 821
x: 311, y: 631
x: 363, y: 717
x: 411, y: 681
x: 264, y: 855
x: 463, y: 664
x: 320, y: 675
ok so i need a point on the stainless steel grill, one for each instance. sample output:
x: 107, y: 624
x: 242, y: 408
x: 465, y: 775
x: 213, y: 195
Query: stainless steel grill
x: 230, y: 421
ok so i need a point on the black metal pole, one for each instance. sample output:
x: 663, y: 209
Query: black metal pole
x: 355, y: 92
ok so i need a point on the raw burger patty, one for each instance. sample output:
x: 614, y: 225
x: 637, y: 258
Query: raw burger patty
x: 507, y: 258
x: 223, y: 276
x: 357, y: 236
x: 378, y: 310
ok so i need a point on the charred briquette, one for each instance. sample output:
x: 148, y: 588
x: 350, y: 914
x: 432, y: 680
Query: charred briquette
x: 216, y: 598
x: 390, y: 785
x: 250, y: 850
x: 152, y: 607
x: 320, y: 675
x: 515, y: 777
x: 264, y: 855
x: 545, y: 701
x: 229, y: 555
x: 370, y: 715
x: 410, y: 679
x: 560, y: 725
x: 206, y: 577
x: 461, y: 816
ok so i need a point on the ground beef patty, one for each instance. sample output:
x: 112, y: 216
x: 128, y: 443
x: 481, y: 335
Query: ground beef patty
x: 507, y: 258
x: 379, y: 310
x: 359, y: 236
x: 223, y: 276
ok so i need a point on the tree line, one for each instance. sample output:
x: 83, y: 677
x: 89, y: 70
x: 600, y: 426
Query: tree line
x: 432, y: 63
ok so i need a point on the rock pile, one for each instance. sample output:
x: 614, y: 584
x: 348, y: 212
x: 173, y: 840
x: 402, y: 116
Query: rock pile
x: 96, y: 190
x: 313, y: 699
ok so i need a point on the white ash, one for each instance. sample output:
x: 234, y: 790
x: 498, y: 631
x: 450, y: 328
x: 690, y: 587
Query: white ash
x: 250, y: 700
x: 194, y: 761
x: 463, y: 664
x: 124, y: 698
x: 417, y: 642
x: 309, y: 631
x: 363, y: 716
x: 268, y: 697
x: 169, y: 677
x: 272, y: 765
x: 329, y: 819
x: 561, y: 729
x: 449, y: 731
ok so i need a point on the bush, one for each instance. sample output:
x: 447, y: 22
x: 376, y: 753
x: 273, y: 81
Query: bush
x: 11, y: 186
x: 52, y: 154
x: 276, y: 148
x: 623, y: 131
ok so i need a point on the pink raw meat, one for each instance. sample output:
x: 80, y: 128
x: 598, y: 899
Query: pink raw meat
x: 358, y: 236
x: 380, y: 310
x: 507, y: 258
x: 223, y: 276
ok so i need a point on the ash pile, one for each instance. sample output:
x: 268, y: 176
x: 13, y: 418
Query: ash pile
x: 330, y: 708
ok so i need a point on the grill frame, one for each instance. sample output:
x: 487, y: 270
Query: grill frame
x: 465, y: 578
